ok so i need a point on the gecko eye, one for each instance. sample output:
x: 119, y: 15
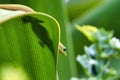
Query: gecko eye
x: 64, y: 49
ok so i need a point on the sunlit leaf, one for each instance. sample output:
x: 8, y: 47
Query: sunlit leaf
x: 29, y: 40
x: 88, y: 31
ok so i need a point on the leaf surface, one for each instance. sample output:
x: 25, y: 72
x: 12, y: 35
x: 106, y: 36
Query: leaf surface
x: 29, y: 41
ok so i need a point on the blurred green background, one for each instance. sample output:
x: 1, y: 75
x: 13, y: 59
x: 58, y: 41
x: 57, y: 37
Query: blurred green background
x: 100, y: 13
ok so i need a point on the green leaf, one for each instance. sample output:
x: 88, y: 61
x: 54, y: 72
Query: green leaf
x: 57, y: 9
x: 28, y: 45
x: 88, y: 31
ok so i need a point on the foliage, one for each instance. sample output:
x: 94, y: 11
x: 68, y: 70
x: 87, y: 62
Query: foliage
x: 28, y: 47
x: 98, y: 55
x: 100, y: 13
